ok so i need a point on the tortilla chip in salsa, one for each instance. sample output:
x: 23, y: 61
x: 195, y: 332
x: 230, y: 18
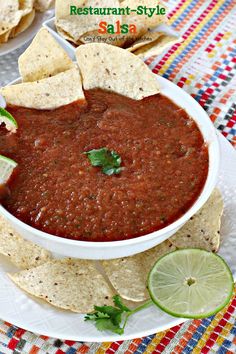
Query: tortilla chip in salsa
x: 43, y: 58
x: 115, y: 69
x: 49, y: 93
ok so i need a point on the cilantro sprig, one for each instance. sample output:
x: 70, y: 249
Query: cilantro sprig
x: 109, y: 161
x: 113, y: 318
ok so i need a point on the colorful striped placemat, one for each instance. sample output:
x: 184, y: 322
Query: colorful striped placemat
x: 204, y: 65
x: 216, y: 334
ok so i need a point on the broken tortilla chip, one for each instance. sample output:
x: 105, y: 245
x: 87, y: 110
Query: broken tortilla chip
x: 157, y: 47
x: 115, y: 69
x: 24, y: 254
x: 43, y: 58
x: 203, y: 229
x: 129, y: 275
x: 49, y: 93
x: 74, y: 285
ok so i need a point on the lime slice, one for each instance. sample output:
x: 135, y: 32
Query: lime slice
x: 6, y: 168
x: 191, y: 283
x: 10, y: 122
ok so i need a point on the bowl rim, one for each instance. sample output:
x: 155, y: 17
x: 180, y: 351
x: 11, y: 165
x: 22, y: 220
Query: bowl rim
x: 200, y: 201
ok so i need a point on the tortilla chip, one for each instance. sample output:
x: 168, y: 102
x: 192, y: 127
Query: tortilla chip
x: 49, y: 93
x: 147, y: 38
x: 5, y: 36
x: 85, y: 28
x: 141, y: 29
x: 203, y: 229
x: 120, y: 40
x: 24, y: 254
x: 73, y: 285
x: 95, y: 37
x: 150, y: 22
x: 43, y: 5
x: 66, y: 36
x: 15, y: 17
x: 158, y: 46
x: 129, y: 275
x: 24, y: 23
x: 76, y: 26
x: 9, y: 15
x: 26, y: 6
x: 43, y: 58
x: 115, y: 69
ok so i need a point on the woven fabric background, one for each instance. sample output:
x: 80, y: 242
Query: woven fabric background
x: 204, y: 65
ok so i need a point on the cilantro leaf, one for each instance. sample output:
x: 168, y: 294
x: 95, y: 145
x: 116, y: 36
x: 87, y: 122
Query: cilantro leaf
x: 109, y: 317
x: 95, y: 316
x: 118, y: 302
x: 108, y: 325
x: 110, y: 161
x: 113, y: 318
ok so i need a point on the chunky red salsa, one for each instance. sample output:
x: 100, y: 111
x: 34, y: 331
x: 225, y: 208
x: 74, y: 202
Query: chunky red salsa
x: 56, y: 189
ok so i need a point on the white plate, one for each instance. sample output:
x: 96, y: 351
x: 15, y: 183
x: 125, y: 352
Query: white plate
x: 27, y: 35
x: 34, y: 315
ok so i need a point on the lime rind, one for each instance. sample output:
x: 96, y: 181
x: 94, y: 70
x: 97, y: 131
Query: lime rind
x: 216, y: 259
x: 6, y: 168
x: 8, y: 120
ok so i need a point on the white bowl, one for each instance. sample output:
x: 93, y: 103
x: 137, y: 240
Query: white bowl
x: 116, y: 249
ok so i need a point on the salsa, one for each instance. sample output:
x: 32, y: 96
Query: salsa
x: 56, y: 189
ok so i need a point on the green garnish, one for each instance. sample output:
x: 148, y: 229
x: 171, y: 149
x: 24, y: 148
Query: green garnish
x: 6, y: 168
x: 113, y: 318
x: 110, y: 161
x: 8, y: 120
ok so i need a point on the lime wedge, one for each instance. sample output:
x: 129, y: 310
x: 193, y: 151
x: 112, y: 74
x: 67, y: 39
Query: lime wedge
x: 191, y: 283
x: 6, y: 168
x: 10, y: 122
